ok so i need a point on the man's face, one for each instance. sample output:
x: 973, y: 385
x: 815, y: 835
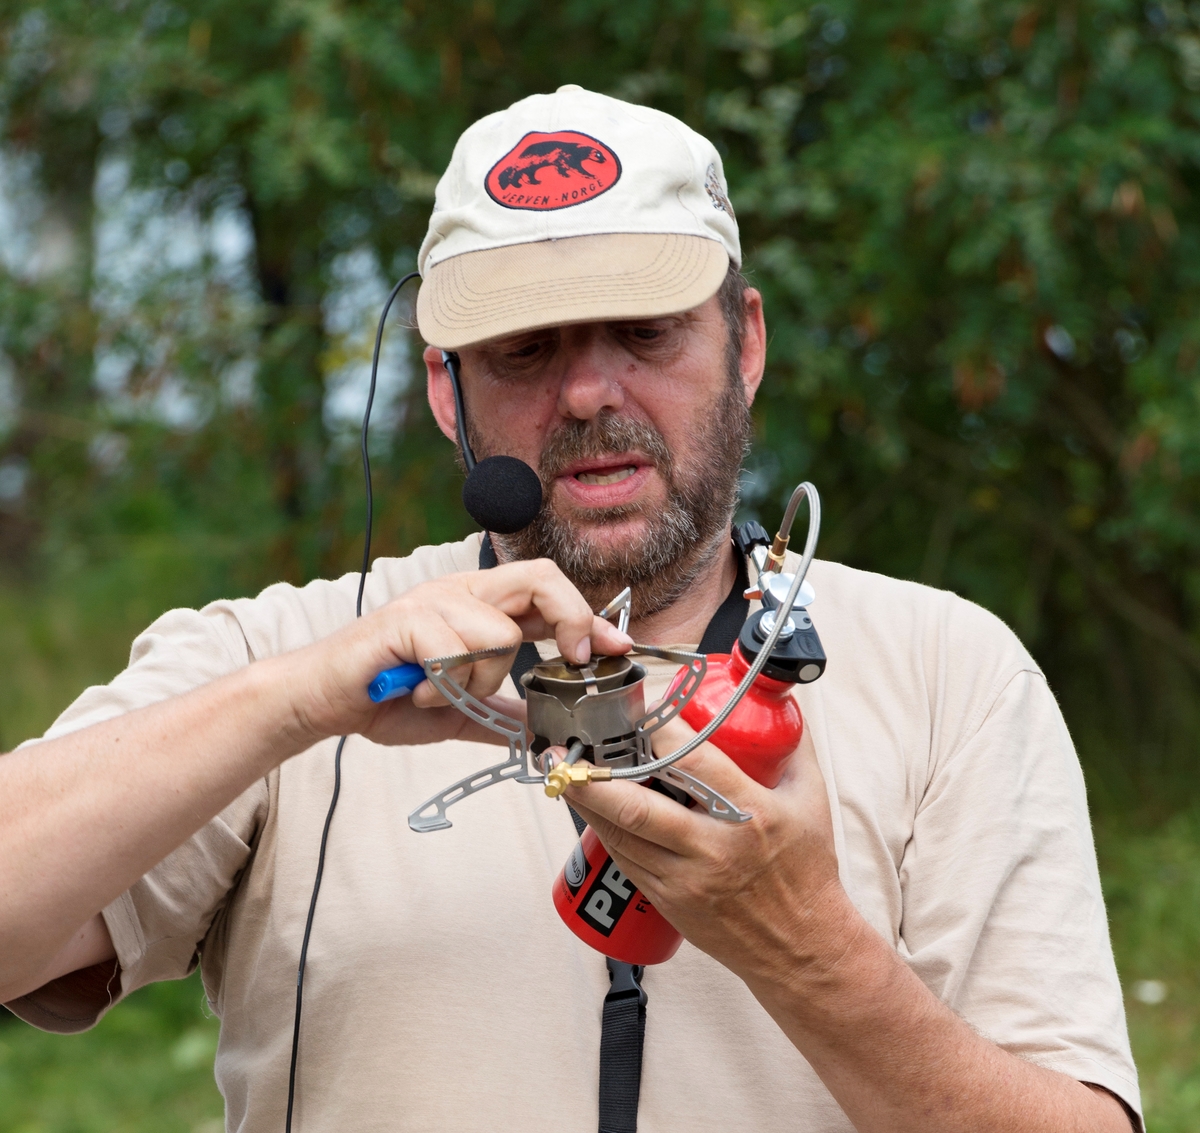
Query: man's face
x: 637, y: 430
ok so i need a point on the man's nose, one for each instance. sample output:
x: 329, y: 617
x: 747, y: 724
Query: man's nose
x: 590, y: 382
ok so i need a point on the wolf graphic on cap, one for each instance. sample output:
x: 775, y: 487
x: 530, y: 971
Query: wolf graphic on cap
x: 566, y: 157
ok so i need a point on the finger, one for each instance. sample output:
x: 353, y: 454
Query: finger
x: 383, y: 640
x: 606, y: 639
x: 652, y: 885
x: 540, y: 585
x: 609, y: 640
x: 634, y: 811
x: 507, y: 706
x: 803, y: 788
x: 450, y: 622
x: 480, y: 679
x: 655, y: 860
x: 401, y: 722
x: 542, y: 601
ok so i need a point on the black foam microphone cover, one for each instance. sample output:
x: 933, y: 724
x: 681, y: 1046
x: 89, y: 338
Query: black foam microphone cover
x: 502, y: 494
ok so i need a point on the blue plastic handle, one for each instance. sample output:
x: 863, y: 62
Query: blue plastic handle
x: 392, y: 683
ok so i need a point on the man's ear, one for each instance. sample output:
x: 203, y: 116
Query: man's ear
x: 440, y: 393
x: 754, y: 343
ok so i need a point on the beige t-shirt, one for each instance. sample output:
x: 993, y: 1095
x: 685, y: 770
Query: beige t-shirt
x: 443, y: 992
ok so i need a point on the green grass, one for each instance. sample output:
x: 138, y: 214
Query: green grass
x: 1152, y: 887
x: 148, y: 1065
x: 147, y: 1068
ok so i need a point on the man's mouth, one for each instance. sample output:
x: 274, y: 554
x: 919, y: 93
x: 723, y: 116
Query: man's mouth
x: 613, y: 477
x: 615, y: 480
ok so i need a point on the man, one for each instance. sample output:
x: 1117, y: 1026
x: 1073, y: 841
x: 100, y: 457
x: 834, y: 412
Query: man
x: 909, y: 933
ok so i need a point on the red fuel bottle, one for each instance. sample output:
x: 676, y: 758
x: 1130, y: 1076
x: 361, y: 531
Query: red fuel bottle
x: 602, y: 906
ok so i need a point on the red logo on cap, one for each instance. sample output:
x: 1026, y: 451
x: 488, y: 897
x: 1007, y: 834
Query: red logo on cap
x: 553, y: 171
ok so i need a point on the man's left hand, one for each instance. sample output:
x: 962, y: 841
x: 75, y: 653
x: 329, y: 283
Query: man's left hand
x: 760, y: 897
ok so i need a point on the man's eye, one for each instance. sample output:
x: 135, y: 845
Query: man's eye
x: 647, y: 334
x: 523, y: 352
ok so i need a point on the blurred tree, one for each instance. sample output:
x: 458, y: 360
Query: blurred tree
x: 977, y: 230
x: 974, y: 224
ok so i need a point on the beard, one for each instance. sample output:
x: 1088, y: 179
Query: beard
x: 679, y: 541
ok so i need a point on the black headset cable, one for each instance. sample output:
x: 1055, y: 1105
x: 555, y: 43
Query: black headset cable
x: 337, y: 758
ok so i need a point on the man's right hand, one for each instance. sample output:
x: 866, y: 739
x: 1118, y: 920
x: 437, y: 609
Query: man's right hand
x: 459, y: 613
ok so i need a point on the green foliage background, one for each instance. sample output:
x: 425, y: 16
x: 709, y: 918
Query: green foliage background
x: 975, y: 224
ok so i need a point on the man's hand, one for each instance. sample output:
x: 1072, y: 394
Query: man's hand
x: 764, y: 899
x: 459, y: 613
x: 759, y: 896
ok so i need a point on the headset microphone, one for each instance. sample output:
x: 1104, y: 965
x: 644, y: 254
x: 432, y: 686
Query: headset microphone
x: 502, y: 494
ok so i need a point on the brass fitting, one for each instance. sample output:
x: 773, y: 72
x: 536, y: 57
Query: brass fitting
x: 561, y: 775
x: 776, y: 553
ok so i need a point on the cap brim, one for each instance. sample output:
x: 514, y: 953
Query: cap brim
x: 477, y: 296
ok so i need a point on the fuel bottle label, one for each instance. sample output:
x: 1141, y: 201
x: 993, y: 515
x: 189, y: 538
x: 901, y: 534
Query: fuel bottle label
x: 607, y: 899
x: 576, y: 870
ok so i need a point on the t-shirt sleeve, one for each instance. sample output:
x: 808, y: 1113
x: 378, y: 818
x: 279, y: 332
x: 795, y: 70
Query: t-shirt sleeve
x: 157, y: 925
x: 1001, y: 868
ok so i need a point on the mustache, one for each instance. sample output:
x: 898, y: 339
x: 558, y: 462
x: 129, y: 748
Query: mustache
x: 684, y: 533
x: 604, y: 435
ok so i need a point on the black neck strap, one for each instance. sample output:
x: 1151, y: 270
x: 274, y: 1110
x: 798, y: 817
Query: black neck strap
x: 722, y: 631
